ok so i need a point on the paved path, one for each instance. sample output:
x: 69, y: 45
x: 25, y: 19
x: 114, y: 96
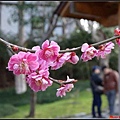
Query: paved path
x: 85, y: 116
x: 105, y: 113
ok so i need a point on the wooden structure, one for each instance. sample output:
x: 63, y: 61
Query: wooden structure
x: 106, y: 13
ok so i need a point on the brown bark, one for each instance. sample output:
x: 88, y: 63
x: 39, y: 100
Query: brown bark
x: 33, y: 99
x: 33, y: 95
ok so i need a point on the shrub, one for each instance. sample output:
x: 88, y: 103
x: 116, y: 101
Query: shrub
x: 7, y: 109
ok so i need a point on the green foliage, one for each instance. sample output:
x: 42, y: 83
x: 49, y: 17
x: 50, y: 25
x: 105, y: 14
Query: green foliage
x: 49, y: 95
x: 4, y: 53
x: 10, y: 97
x: 114, y: 58
x: 77, y: 38
x: 37, y: 21
x: 108, y: 31
x: 7, y: 109
x: 77, y: 101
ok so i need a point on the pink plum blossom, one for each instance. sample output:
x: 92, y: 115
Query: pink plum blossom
x: 61, y: 59
x: 105, y: 49
x: 65, y: 88
x: 89, y: 52
x: 49, y: 51
x: 37, y: 83
x: 72, y: 57
x: 117, y: 32
x: 36, y: 48
x: 40, y: 60
x: 37, y: 52
x: 23, y: 63
x: 39, y: 80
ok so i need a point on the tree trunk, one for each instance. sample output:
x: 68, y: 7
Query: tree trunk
x: 33, y: 100
x: 33, y: 95
x: 20, y: 82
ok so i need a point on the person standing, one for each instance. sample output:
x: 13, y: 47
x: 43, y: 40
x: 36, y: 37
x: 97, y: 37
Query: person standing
x: 110, y: 83
x: 96, y: 80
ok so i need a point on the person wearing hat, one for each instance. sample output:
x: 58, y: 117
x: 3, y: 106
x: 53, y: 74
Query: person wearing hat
x: 96, y: 80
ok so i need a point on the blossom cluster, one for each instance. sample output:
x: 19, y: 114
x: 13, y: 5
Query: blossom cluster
x: 36, y: 65
x: 90, y: 52
x: 103, y: 50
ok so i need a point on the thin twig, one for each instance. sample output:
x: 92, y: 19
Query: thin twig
x: 105, y: 41
x: 64, y: 82
x: 95, y: 44
x: 19, y: 47
x: 70, y: 82
x: 54, y: 80
x: 61, y: 51
x: 10, y: 49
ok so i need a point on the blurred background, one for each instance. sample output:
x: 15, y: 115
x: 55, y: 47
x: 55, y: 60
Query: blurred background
x: 30, y: 23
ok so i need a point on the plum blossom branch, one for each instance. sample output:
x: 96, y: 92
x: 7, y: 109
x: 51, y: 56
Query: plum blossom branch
x: 95, y: 44
x: 10, y: 45
x: 54, y: 80
x: 11, y: 50
x: 105, y: 41
x: 35, y: 63
x: 61, y: 82
x: 61, y: 51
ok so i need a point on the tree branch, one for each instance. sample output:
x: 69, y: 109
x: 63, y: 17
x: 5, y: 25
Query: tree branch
x: 50, y: 29
x: 19, y: 47
x: 95, y: 44
x: 62, y: 82
x: 61, y: 51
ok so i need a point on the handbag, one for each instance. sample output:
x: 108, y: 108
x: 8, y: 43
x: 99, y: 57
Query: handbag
x: 98, y: 88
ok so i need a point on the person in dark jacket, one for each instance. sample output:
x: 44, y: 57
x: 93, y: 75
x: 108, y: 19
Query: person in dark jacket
x: 97, y: 101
